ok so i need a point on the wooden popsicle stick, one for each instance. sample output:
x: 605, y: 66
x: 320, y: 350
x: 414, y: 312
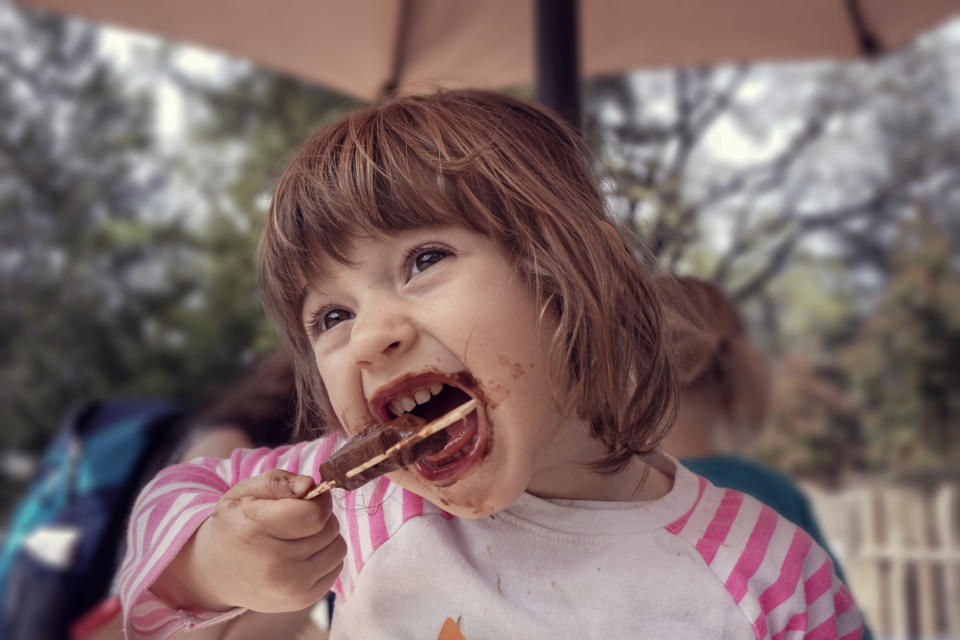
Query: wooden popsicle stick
x: 425, y: 431
x: 321, y: 488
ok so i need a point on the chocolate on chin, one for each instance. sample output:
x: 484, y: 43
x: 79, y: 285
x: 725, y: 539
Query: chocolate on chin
x: 376, y: 440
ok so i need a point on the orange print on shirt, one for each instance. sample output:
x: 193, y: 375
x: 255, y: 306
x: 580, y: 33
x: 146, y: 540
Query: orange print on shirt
x: 450, y: 631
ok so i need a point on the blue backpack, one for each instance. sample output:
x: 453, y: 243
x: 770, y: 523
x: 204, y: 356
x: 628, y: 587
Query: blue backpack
x: 64, y: 539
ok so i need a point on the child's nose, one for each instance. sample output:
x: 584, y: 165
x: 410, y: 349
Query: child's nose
x: 380, y: 334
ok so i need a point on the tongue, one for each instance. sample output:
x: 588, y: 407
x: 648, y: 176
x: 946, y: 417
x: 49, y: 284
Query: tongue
x: 460, y: 435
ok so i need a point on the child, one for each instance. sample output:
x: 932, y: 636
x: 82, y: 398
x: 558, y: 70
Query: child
x: 418, y: 253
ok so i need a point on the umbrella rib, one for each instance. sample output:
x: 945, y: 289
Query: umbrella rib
x: 402, y: 36
x: 869, y: 44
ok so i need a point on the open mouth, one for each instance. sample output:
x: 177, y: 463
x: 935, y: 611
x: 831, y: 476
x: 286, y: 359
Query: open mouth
x: 430, y: 401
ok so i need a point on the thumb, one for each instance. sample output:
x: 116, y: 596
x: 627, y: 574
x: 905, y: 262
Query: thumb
x: 274, y: 484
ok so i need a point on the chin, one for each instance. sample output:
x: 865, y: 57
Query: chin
x: 471, y: 511
x: 470, y: 497
x: 468, y: 513
x: 478, y: 501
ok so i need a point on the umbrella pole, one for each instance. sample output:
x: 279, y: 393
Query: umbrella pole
x: 558, y: 58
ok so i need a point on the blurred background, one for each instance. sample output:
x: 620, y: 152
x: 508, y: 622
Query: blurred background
x: 823, y: 194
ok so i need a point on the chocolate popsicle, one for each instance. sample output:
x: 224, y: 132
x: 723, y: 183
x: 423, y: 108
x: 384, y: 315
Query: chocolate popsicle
x: 375, y: 440
x: 380, y: 449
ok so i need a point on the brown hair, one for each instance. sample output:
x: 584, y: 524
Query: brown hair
x: 262, y: 403
x: 710, y: 348
x: 515, y: 173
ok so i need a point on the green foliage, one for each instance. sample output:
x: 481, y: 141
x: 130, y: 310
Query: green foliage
x: 261, y: 117
x: 74, y: 160
x: 882, y: 393
x: 108, y: 284
x: 809, y: 236
x: 814, y: 428
x: 903, y: 363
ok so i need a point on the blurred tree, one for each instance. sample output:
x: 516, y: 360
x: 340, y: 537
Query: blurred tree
x: 814, y: 430
x: 247, y: 127
x: 883, y: 393
x: 74, y: 177
x: 125, y: 269
x: 738, y: 173
x: 903, y: 362
x: 790, y: 186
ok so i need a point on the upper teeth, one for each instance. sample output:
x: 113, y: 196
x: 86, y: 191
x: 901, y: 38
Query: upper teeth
x: 420, y: 395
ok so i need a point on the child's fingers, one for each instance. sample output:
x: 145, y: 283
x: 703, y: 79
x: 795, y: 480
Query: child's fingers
x: 299, y: 579
x: 324, y: 576
x: 317, y: 585
x: 291, y: 519
x: 327, y: 539
x: 325, y: 582
x: 274, y: 484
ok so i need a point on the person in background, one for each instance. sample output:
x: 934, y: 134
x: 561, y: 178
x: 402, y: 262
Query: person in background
x: 724, y: 399
x: 257, y: 410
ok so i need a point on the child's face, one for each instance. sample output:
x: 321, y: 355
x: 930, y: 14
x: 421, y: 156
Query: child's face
x: 417, y: 316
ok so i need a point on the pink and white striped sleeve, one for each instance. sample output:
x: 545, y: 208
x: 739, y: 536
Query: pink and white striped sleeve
x: 782, y: 581
x: 167, y: 513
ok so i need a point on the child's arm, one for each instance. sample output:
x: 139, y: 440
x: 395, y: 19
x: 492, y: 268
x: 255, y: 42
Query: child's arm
x: 800, y: 591
x: 262, y: 548
x: 201, y: 534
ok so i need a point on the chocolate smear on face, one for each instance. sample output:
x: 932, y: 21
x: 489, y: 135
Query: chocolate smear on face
x: 465, y: 381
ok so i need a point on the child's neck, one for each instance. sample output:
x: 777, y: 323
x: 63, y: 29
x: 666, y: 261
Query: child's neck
x: 639, y: 481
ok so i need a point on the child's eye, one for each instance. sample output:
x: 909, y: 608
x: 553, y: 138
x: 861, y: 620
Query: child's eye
x: 422, y: 258
x: 327, y: 318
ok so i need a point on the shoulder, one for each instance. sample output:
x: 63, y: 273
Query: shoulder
x: 778, y: 576
x: 738, y: 473
x: 767, y: 485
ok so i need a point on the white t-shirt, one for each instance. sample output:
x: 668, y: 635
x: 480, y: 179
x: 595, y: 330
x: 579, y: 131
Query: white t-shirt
x: 583, y: 569
x: 701, y: 562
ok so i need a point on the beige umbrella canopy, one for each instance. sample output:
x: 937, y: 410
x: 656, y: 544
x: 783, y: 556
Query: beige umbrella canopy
x: 368, y: 47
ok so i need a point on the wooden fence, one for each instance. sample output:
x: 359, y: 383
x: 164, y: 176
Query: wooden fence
x: 900, y: 548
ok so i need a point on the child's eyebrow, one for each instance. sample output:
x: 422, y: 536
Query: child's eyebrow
x: 307, y: 289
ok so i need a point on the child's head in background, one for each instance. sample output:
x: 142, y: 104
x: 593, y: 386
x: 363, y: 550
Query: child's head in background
x: 457, y: 239
x: 716, y: 365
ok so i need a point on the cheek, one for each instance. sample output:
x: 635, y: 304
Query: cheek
x: 352, y: 420
x: 347, y: 411
x: 506, y: 321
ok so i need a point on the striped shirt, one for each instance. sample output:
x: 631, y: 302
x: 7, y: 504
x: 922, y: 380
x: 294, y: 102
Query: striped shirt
x: 700, y: 562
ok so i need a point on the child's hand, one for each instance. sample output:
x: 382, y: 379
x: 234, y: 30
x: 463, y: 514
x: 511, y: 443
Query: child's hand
x: 263, y: 548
